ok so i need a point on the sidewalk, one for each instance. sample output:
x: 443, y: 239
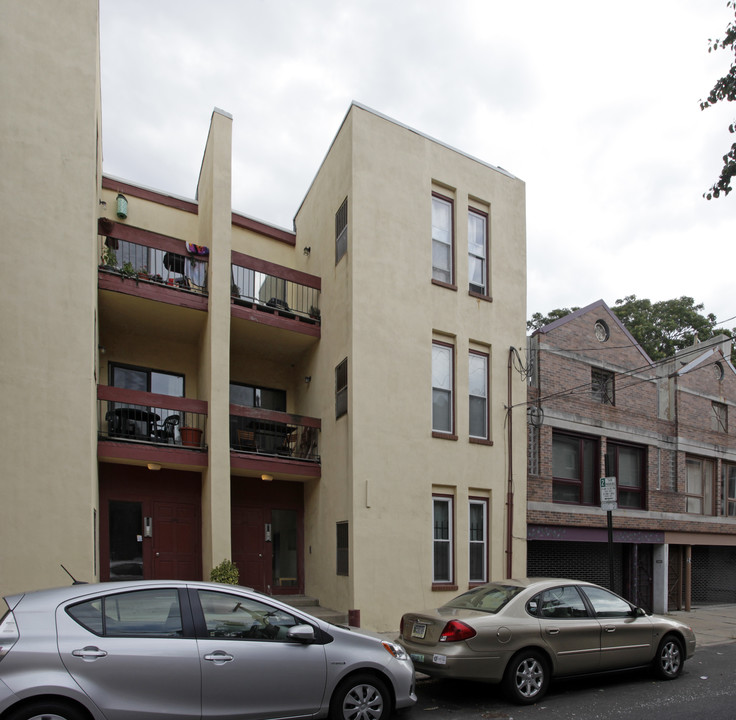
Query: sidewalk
x: 712, y: 624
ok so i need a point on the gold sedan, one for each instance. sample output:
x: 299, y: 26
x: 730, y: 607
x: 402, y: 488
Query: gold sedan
x: 524, y: 632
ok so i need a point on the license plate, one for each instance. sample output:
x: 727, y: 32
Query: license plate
x: 419, y: 630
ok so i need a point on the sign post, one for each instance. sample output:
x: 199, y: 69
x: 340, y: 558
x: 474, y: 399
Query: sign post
x: 609, y: 503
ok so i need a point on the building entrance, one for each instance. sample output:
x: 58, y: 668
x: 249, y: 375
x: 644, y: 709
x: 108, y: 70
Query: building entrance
x: 150, y: 528
x: 267, y: 535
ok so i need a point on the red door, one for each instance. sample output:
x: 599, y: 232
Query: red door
x: 251, y: 552
x: 150, y: 527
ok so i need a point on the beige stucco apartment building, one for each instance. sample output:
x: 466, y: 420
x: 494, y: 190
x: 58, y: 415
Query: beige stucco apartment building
x: 326, y: 405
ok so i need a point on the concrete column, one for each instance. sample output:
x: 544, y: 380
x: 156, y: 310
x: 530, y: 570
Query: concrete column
x: 660, y: 578
x: 214, y: 193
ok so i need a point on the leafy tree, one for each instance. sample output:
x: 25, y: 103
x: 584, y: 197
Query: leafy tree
x: 538, y: 320
x: 661, y: 328
x: 724, y: 89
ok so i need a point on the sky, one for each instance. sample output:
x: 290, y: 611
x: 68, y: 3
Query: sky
x: 595, y: 106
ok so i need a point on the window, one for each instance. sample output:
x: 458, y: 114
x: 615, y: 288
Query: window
x: 729, y: 489
x: 144, y: 613
x: 235, y: 617
x: 342, y: 549
x: 719, y: 418
x: 699, y: 489
x: 606, y: 604
x: 602, y: 386
x: 341, y: 231
x: 442, y: 388
x: 561, y: 603
x: 478, y: 395
x: 575, y: 469
x: 341, y: 389
x: 442, y: 240
x: 478, y: 541
x: 478, y: 252
x: 627, y: 464
x: 255, y: 396
x: 442, y: 539
x: 146, y: 380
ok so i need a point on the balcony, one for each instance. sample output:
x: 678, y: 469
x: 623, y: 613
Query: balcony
x: 131, y: 418
x: 269, y: 433
x: 275, y: 290
x: 138, y: 262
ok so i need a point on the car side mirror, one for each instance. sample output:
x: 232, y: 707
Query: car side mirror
x: 301, y: 633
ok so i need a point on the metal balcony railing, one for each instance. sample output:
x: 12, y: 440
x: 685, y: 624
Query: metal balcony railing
x: 268, y: 432
x: 270, y: 293
x: 134, y: 416
x: 155, y: 265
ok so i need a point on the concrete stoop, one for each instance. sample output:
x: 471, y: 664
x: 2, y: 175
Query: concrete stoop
x: 311, y: 605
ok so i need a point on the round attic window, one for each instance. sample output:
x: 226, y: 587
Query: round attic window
x: 718, y: 371
x: 602, y: 333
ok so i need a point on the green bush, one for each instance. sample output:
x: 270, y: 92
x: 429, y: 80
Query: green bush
x: 226, y: 572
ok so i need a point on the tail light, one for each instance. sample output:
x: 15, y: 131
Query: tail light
x: 8, y: 634
x: 455, y: 631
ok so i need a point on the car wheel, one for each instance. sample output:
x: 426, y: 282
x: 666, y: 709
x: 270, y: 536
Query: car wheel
x: 47, y: 710
x: 527, y: 677
x: 670, y: 658
x: 361, y: 697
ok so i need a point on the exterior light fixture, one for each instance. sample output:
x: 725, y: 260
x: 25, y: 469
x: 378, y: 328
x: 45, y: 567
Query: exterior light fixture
x: 122, y: 206
x: 308, y: 250
x: 266, y: 478
x: 153, y: 466
x: 307, y: 379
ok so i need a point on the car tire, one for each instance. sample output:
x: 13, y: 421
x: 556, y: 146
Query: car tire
x: 670, y: 658
x: 527, y: 677
x: 47, y: 710
x: 361, y: 697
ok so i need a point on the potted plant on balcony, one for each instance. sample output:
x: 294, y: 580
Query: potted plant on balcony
x: 190, y: 436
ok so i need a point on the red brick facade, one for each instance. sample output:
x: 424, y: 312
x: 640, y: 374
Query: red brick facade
x: 675, y: 412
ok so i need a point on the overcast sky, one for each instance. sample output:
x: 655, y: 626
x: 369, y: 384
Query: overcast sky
x: 593, y: 105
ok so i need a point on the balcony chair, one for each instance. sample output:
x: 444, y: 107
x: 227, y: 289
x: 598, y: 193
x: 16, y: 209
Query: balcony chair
x: 247, y: 441
x: 167, y: 432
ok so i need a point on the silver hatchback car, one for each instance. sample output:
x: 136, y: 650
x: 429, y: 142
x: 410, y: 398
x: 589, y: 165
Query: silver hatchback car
x: 189, y: 650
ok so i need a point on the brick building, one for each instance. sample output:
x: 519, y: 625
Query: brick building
x: 600, y: 407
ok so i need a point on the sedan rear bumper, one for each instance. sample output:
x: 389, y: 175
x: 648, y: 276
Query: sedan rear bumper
x: 481, y: 667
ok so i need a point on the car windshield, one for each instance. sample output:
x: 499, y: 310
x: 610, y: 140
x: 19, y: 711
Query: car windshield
x: 488, y: 598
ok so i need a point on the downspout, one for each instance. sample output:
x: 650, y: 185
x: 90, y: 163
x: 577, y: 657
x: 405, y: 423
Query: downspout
x: 510, y: 487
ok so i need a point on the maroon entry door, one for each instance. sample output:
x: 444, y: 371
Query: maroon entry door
x: 150, y: 524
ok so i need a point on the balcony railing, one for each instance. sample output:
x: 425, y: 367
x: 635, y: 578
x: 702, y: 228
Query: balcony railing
x: 139, y: 417
x: 258, y: 288
x: 268, y: 432
x: 155, y: 265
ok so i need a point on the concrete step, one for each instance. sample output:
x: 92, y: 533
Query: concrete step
x: 311, y: 605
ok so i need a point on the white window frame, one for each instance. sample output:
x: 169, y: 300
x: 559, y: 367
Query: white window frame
x: 441, y: 543
x: 482, y: 543
x: 475, y: 356
x: 474, y: 250
x: 443, y: 383
x: 443, y: 240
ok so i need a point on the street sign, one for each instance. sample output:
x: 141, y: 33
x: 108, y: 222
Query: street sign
x: 608, y: 494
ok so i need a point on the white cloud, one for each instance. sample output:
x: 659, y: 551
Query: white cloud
x: 594, y: 106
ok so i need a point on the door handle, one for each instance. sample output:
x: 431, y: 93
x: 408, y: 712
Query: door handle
x: 609, y: 628
x: 219, y: 657
x: 89, y: 653
x: 553, y: 631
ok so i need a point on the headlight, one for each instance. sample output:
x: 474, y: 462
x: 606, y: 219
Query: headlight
x: 396, y: 650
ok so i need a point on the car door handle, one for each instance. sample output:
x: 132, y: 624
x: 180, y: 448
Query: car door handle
x: 609, y: 628
x: 89, y: 653
x: 219, y: 657
x: 553, y: 631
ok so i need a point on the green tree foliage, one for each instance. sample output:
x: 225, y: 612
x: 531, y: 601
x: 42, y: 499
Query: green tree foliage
x: 724, y: 89
x: 661, y: 328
